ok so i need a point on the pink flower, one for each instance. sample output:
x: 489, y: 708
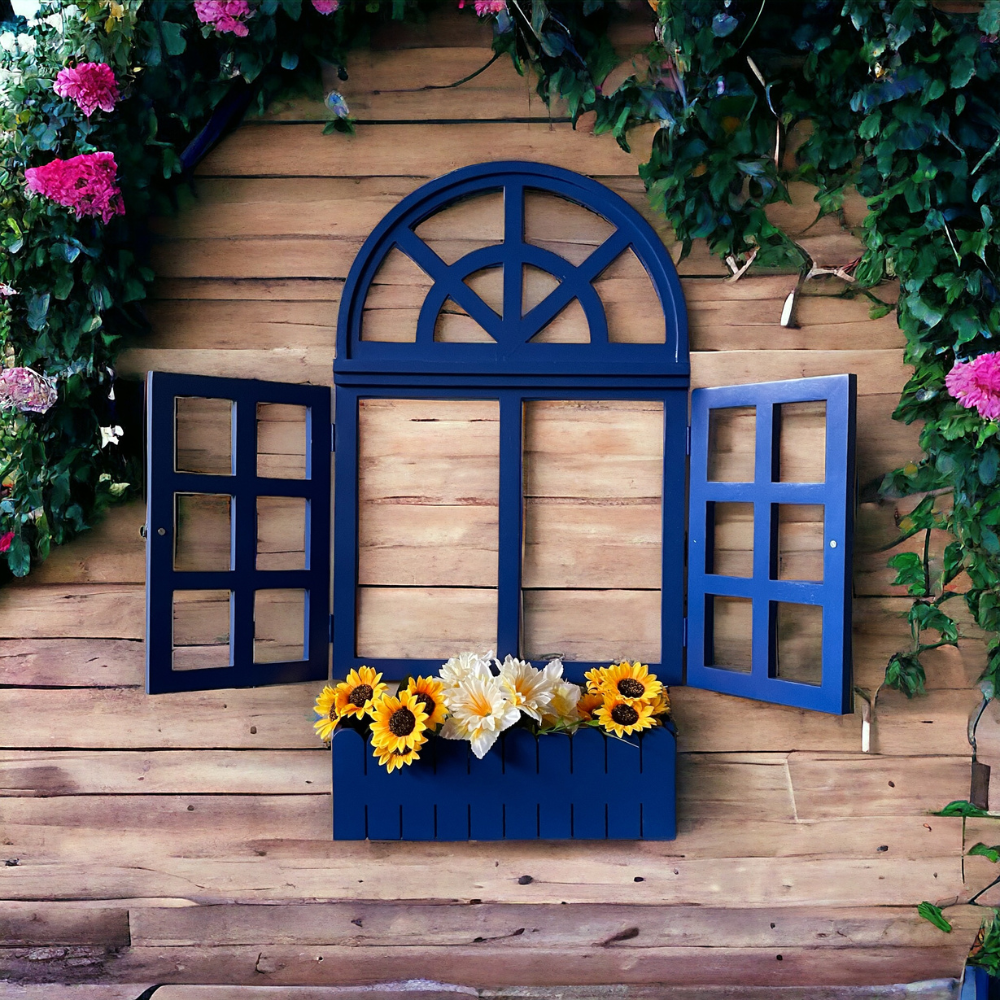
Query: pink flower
x: 25, y: 390
x: 90, y: 86
x: 5, y: 541
x: 85, y: 183
x: 326, y: 6
x: 976, y: 383
x: 484, y: 7
x: 6, y: 291
x: 224, y: 15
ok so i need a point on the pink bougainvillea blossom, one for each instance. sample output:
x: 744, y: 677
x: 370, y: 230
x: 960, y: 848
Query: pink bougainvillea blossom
x: 326, y: 6
x: 6, y: 291
x: 85, y: 183
x: 6, y: 540
x: 25, y: 390
x: 224, y: 15
x: 976, y: 383
x: 90, y: 86
x: 484, y: 7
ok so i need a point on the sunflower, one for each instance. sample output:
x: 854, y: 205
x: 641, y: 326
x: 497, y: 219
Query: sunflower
x: 430, y: 694
x: 595, y: 679
x: 661, y: 703
x: 631, y: 682
x: 399, y: 723
x: 391, y: 759
x: 623, y: 718
x: 326, y: 709
x: 356, y: 694
x: 589, y: 703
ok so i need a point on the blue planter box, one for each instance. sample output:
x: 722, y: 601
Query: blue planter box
x: 555, y: 787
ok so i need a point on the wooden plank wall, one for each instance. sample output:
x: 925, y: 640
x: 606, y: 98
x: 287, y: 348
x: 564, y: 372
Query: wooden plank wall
x: 186, y: 838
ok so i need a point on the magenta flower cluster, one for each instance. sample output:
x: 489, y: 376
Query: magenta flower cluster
x: 89, y: 85
x: 484, y: 7
x: 976, y: 383
x: 84, y: 183
x: 224, y: 15
x: 326, y: 6
x: 25, y: 390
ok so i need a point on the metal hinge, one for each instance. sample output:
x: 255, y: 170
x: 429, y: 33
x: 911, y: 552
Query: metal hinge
x: 687, y: 442
x: 684, y: 639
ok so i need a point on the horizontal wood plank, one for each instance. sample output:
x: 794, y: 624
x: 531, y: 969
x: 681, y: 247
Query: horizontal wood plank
x: 268, y: 149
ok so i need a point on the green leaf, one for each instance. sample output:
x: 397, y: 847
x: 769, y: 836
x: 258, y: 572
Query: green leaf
x: 989, y: 18
x: 961, y: 807
x: 933, y: 913
x: 981, y: 850
x: 173, y: 38
x: 924, y: 616
x: 909, y: 569
x: 38, y: 310
x: 904, y: 672
x: 869, y: 128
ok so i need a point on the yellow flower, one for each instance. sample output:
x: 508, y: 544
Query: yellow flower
x: 661, y: 703
x: 595, y: 679
x: 622, y: 718
x: 326, y: 709
x: 430, y: 694
x: 399, y: 723
x: 391, y: 759
x: 356, y: 694
x: 589, y: 703
x: 631, y: 682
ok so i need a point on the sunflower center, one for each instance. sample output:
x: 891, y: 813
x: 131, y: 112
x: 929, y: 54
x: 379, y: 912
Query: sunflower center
x: 629, y: 687
x: 625, y: 715
x: 401, y: 722
x: 361, y: 694
x: 428, y: 702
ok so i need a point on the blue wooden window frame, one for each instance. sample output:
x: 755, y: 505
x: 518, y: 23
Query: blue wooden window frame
x: 833, y: 594
x: 512, y: 370
x: 243, y: 579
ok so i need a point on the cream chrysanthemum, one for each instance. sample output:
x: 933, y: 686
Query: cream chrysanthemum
x: 562, y: 708
x: 528, y: 688
x: 480, y: 712
x: 465, y: 665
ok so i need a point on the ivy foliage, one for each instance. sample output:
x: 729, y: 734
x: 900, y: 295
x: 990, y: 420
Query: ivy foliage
x: 893, y: 98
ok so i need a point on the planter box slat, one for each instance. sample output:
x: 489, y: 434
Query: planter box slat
x: 555, y: 787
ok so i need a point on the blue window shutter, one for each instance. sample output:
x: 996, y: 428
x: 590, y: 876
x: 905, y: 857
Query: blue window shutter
x: 762, y: 592
x: 242, y: 579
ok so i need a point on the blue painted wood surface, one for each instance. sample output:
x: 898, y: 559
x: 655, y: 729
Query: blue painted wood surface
x: 513, y: 370
x: 164, y: 482
x: 833, y: 593
x: 555, y: 787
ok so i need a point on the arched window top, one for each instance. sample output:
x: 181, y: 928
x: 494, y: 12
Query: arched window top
x: 513, y: 270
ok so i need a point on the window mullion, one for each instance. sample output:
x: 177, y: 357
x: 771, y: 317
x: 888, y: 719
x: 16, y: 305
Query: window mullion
x: 510, y: 525
x: 245, y: 533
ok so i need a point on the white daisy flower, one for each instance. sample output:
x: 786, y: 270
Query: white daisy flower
x: 480, y: 712
x: 528, y: 689
x: 26, y: 43
x: 8, y: 41
x: 465, y: 665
